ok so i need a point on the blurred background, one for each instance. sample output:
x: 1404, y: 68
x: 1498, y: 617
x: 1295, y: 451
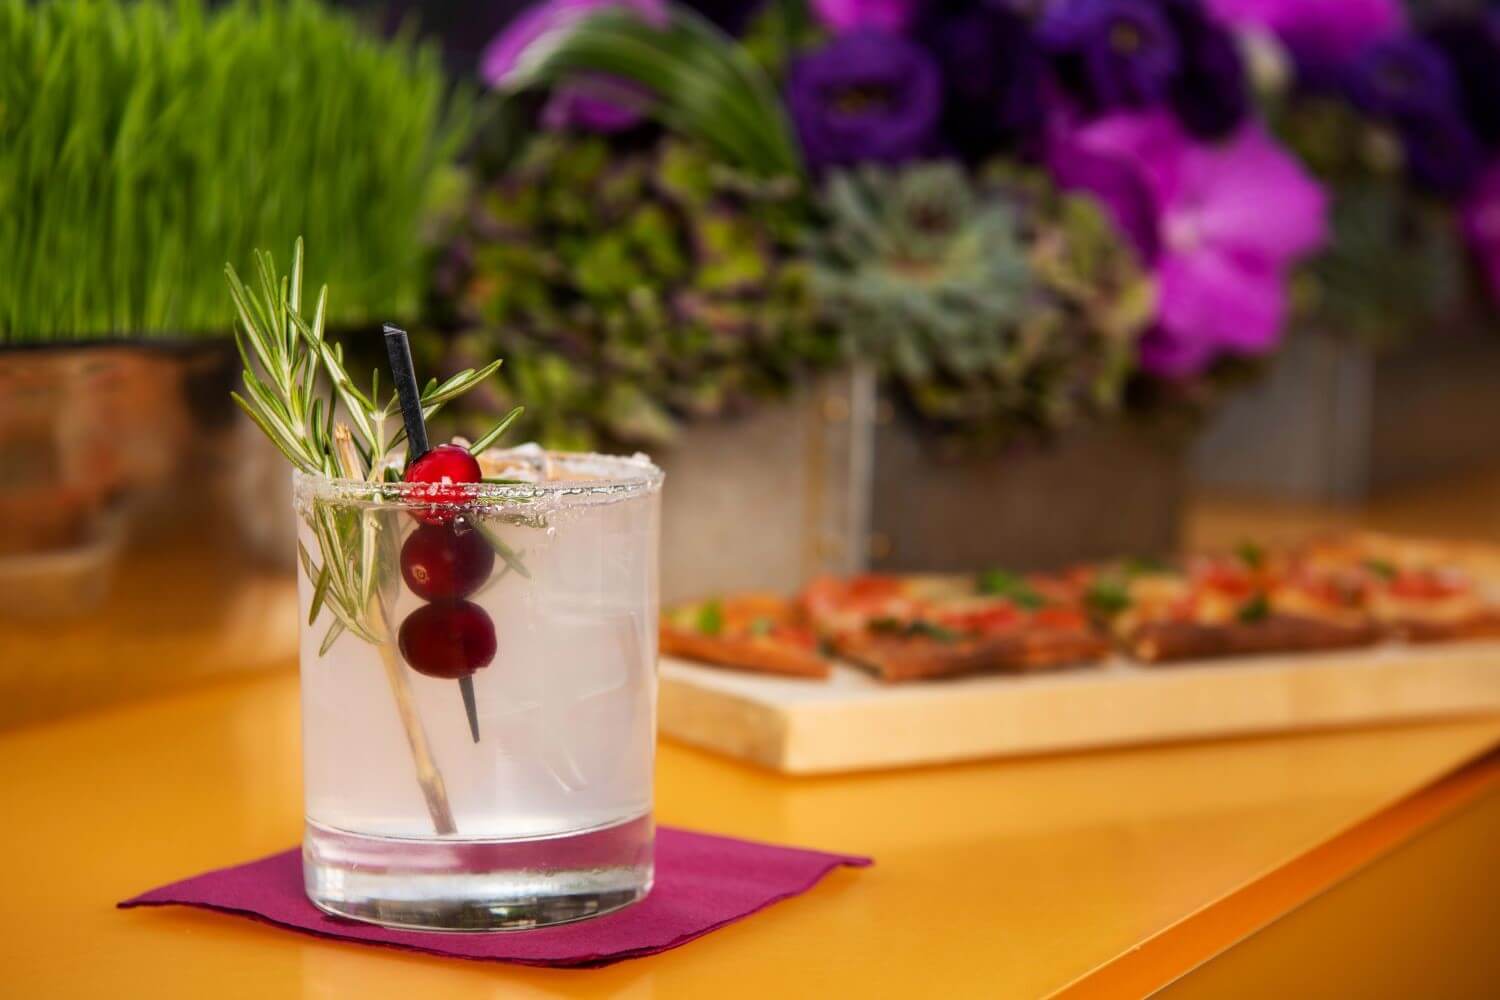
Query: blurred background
x: 881, y: 283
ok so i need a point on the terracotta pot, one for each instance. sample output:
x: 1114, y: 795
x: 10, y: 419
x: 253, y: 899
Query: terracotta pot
x: 146, y: 530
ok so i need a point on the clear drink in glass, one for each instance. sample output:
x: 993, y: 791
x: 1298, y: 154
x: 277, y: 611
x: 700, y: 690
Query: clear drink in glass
x: 523, y: 797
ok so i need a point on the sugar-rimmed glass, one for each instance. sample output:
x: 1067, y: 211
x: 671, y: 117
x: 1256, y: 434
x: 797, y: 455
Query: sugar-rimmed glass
x: 544, y: 818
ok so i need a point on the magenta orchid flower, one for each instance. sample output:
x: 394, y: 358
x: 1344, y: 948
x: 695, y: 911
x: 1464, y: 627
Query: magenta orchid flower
x: 592, y: 103
x: 893, y: 16
x: 1219, y: 224
x: 1481, y: 218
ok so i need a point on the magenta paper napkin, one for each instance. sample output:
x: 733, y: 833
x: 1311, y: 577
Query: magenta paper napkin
x: 703, y: 882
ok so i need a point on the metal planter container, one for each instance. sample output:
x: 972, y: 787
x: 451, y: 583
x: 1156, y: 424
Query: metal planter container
x: 1333, y: 422
x: 767, y: 501
x: 837, y: 481
x: 1095, y: 493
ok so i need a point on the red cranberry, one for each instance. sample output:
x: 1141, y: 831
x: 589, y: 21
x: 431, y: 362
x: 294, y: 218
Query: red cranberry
x: 444, y: 562
x: 448, y: 640
x: 443, y: 466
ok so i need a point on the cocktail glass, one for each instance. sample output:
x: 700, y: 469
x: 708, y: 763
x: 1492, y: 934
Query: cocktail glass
x: 478, y: 692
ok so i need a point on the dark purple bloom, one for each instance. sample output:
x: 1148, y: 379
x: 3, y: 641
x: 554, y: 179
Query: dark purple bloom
x: 1408, y: 83
x: 1211, y: 92
x: 1109, y: 55
x: 992, y: 74
x: 1472, y: 47
x: 865, y: 96
x: 1403, y: 78
x: 1443, y: 154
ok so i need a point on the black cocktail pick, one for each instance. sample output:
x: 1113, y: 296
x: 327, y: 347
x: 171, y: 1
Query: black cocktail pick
x: 398, y: 350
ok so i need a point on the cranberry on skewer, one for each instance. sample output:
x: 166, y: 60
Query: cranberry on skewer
x: 450, y: 639
x: 446, y: 468
x: 446, y: 562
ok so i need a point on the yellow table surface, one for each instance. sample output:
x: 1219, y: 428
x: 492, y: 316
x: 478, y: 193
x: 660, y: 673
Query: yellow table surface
x: 1010, y: 878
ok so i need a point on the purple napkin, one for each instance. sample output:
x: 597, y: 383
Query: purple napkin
x: 703, y: 882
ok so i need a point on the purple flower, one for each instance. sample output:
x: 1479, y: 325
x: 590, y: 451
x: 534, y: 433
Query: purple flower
x: 865, y: 96
x: 1401, y: 78
x: 593, y: 103
x: 1408, y: 82
x: 1481, y: 219
x: 1109, y: 55
x: 1211, y: 91
x: 1220, y: 225
x: 992, y: 74
x: 1471, y: 46
x: 1324, y: 36
x: 1442, y: 153
x: 890, y: 16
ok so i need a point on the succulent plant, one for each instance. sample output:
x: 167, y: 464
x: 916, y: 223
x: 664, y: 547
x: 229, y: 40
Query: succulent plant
x: 996, y: 305
x: 628, y: 290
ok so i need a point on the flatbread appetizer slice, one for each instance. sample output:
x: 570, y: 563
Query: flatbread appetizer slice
x: 918, y: 627
x: 756, y: 632
x: 1422, y: 591
x: 1238, y: 604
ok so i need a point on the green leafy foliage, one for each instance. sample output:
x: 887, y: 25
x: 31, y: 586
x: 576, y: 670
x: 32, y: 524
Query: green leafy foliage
x: 996, y: 305
x: 1395, y: 260
x: 143, y: 143
x: 629, y: 290
x: 1394, y: 264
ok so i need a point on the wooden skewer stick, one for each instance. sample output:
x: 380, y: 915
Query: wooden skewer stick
x: 428, y: 776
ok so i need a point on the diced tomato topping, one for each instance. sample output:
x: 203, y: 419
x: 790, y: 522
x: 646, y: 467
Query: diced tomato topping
x: 1341, y: 591
x: 991, y: 618
x: 872, y: 587
x: 1418, y: 585
x: 795, y: 635
x: 1235, y: 581
x: 1056, y: 617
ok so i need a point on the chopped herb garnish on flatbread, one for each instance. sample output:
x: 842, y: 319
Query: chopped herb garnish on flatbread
x: 710, y: 618
x: 1251, y: 554
x: 1107, y: 597
x: 1256, y: 609
x: 999, y: 583
x: 916, y: 627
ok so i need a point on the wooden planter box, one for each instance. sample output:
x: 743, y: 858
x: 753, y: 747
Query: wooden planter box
x: 1333, y: 423
x: 836, y: 481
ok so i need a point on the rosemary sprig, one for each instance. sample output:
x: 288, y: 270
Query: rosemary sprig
x: 286, y: 397
x: 300, y: 394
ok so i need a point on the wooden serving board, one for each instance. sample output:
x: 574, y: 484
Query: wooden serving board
x: 852, y: 722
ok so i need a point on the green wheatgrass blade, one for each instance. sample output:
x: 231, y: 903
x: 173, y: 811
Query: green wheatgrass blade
x: 201, y: 130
